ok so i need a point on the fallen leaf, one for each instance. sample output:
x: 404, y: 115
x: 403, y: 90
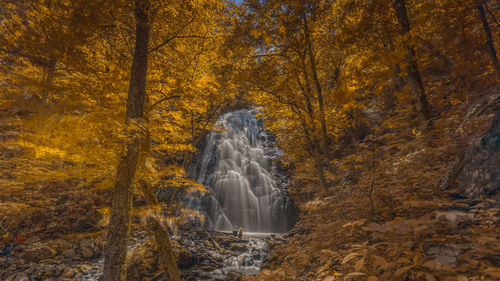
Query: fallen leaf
x: 359, y: 264
x: 354, y: 274
x: 350, y: 257
x: 493, y: 271
x: 380, y: 262
x: 402, y: 270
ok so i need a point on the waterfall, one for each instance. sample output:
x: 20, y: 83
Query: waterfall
x: 238, y: 169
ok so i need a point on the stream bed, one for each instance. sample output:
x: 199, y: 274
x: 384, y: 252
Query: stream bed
x: 201, y: 255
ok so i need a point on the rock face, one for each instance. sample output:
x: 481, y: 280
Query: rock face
x: 477, y: 171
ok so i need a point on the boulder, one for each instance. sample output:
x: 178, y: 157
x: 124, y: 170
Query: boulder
x: 183, y: 256
x: 233, y: 276
x: 20, y: 276
x: 46, y: 270
x: 256, y: 255
x: 68, y: 272
x: 240, y: 247
x: 87, y: 248
x: 207, y: 268
x: 59, y: 245
x: 69, y: 254
x: 87, y: 252
x: 37, y: 252
x: 445, y: 255
x: 59, y: 269
x: 216, y: 245
x: 226, y: 240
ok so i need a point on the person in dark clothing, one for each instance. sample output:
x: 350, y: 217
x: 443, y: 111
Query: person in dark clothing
x: 6, y: 251
x: 240, y: 232
x: 235, y: 231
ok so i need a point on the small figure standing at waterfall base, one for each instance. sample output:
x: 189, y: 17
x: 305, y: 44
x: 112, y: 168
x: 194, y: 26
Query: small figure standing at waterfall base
x: 235, y: 231
x: 240, y: 232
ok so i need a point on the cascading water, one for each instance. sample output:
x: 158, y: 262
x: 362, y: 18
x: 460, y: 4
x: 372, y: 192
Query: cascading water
x: 238, y: 168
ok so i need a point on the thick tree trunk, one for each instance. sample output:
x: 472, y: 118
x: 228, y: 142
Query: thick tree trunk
x: 489, y: 40
x: 165, y: 255
x: 416, y: 84
x: 119, y: 226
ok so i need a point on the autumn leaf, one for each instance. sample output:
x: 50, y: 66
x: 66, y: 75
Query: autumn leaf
x: 350, y: 257
x: 354, y: 274
x: 402, y: 270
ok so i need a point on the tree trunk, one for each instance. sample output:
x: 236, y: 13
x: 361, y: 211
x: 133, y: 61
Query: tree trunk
x: 165, y: 255
x: 416, y: 84
x: 312, y: 139
x: 47, y: 80
x: 315, y: 153
x: 119, y: 226
x: 319, y: 167
x: 317, y: 84
x: 489, y: 40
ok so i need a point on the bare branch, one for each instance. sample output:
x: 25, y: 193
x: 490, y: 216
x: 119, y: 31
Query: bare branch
x: 177, y: 37
x: 171, y: 38
x: 164, y: 99
x: 492, y: 15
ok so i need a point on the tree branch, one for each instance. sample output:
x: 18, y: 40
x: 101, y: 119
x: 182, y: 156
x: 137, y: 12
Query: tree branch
x: 177, y: 37
x: 164, y: 99
x: 492, y: 15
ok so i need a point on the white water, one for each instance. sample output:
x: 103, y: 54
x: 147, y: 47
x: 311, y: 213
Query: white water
x: 237, y: 168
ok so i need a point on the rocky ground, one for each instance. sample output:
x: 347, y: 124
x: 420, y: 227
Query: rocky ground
x: 201, y: 255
